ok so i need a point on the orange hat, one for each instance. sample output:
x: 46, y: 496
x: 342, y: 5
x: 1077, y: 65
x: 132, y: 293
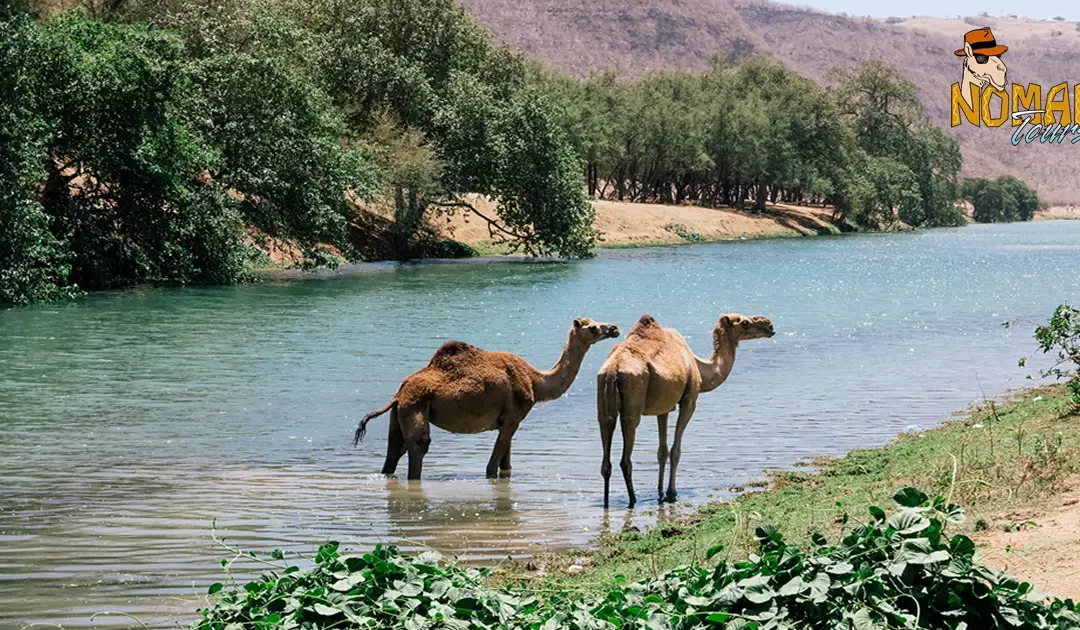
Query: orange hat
x: 982, y: 42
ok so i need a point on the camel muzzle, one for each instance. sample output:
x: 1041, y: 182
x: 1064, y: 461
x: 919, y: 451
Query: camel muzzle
x: 611, y: 334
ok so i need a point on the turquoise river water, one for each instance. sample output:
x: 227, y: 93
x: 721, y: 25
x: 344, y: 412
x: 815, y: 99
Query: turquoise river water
x: 131, y: 421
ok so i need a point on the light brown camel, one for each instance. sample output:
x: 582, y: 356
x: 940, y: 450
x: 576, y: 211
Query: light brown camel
x: 465, y: 389
x: 652, y: 371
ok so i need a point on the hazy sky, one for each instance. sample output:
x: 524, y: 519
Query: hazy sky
x: 1043, y: 9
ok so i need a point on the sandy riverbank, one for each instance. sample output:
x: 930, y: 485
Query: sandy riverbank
x: 1058, y: 212
x: 623, y: 224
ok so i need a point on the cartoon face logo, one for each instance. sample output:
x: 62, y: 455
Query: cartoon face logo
x: 982, y: 62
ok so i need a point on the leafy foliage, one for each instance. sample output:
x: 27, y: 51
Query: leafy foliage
x: 139, y: 153
x: 1061, y: 336
x: 1001, y: 200
x: 124, y: 165
x: 33, y: 265
x: 896, y: 571
x: 133, y: 162
x: 467, y: 122
x: 760, y: 131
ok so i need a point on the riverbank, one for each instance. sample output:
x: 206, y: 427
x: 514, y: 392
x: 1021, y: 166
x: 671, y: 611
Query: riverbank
x: 621, y: 225
x: 1056, y: 213
x: 1012, y: 465
x: 835, y: 548
x: 625, y: 224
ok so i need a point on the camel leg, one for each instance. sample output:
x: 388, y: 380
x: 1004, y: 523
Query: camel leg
x: 504, y: 465
x: 686, y: 409
x: 607, y: 431
x: 607, y: 414
x: 417, y: 433
x: 395, y: 446
x: 629, y: 424
x: 502, y: 449
x: 662, y: 452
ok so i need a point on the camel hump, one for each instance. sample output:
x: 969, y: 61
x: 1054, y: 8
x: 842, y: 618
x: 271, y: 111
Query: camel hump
x: 647, y: 326
x: 451, y: 351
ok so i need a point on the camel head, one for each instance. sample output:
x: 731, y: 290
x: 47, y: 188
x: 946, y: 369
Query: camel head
x: 742, y: 328
x: 589, y: 332
x: 985, y: 69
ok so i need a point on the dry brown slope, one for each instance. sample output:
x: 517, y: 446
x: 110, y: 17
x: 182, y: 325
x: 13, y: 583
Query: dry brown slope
x: 641, y: 35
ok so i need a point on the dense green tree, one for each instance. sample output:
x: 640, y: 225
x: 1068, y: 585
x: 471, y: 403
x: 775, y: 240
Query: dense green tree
x: 124, y: 188
x: 1027, y: 201
x: 33, y: 265
x: 278, y: 149
x: 889, y: 122
x: 1000, y: 200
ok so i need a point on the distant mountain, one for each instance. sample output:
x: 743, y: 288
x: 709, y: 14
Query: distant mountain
x: 637, y: 36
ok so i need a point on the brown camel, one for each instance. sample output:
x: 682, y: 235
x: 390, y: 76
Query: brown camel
x: 465, y: 389
x: 652, y: 371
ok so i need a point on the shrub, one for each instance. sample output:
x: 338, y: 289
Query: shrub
x: 1061, y: 336
x: 896, y: 571
x: 683, y: 233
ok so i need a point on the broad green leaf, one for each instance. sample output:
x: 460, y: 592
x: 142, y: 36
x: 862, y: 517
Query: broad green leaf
x: 910, y: 497
x: 794, y: 586
x: 819, y: 586
x: 908, y: 522
x: 863, y: 620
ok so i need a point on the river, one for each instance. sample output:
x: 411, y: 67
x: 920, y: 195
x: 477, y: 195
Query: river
x: 131, y: 421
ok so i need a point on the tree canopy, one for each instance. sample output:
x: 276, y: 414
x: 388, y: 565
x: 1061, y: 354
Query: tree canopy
x: 136, y: 151
x: 758, y: 131
x: 159, y: 140
x: 1000, y: 200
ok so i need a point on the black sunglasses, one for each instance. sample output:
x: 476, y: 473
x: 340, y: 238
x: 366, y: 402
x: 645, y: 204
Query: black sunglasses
x: 981, y: 59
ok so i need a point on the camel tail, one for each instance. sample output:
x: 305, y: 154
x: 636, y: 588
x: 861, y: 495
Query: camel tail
x: 361, y: 429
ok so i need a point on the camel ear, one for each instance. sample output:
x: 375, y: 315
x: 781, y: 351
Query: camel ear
x: 578, y: 323
x: 725, y: 321
x: 967, y: 50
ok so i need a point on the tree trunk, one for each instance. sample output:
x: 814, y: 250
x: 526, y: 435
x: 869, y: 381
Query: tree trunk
x: 759, y: 199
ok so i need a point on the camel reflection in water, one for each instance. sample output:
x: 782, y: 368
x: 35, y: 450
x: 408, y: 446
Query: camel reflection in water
x: 472, y: 520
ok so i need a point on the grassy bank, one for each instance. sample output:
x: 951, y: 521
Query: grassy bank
x: 994, y: 460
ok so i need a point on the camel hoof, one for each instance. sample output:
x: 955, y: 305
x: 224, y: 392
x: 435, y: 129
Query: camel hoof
x: 504, y: 473
x: 671, y: 496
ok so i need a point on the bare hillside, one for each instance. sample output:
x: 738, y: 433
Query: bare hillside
x: 637, y: 36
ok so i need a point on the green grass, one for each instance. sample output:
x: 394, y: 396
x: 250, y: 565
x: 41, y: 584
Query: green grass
x: 990, y: 459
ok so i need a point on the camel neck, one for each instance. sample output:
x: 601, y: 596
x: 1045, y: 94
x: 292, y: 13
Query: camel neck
x: 717, y: 368
x: 550, y: 384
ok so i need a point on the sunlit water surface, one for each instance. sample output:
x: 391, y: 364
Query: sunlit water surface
x: 130, y: 422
